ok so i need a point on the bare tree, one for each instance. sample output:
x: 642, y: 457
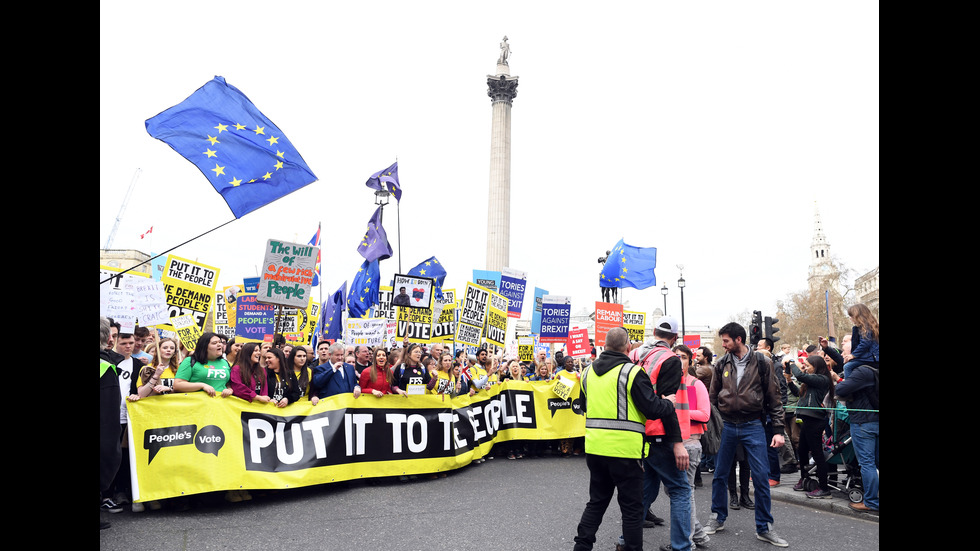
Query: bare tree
x: 819, y: 310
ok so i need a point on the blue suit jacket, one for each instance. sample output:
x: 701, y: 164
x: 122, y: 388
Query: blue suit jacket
x: 327, y: 382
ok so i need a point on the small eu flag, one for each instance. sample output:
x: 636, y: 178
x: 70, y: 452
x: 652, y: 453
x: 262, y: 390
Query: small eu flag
x: 331, y: 315
x: 364, y: 290
x: 374, y: 245
x: 431, y: 268
x: 386, y: 180
x: 629, y: 266
x: 247, y: 159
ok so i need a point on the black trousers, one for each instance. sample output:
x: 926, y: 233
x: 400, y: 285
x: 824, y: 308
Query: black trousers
x: 605, y: 475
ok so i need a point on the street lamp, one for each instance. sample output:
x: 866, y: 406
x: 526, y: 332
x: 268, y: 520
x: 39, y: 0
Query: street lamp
x: 663, y: 291
x: 681, y: 283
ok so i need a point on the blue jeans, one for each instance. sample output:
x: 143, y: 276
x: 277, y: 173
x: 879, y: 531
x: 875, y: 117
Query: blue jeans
x: 752, y: 435
x: 660, y: 466
x: 865, y: 439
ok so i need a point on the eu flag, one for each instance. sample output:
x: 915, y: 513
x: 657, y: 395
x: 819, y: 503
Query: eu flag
x: 247, y: 159
x: 364, y: 290
x: 433, y: 269
x: 629, y: 266
x: 374, y: 245
x: 331, y: 315
x: 386, y: 180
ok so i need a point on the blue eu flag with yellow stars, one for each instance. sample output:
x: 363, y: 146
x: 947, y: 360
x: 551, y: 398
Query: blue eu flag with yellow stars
x: 431, y: 267
x: 364, y: 290
x: 386, y: 180
x: 331, y: 315
x: 374, y: 245
x: 629, y: 266
x: 247, y: 159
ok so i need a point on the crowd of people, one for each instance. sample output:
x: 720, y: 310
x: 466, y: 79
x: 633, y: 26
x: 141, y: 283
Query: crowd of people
x: 686, y: 414
x: 142, y: 365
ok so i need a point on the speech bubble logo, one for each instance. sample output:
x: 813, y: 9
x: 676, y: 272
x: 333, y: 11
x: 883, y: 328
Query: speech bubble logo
x: 554, y: 404
x: 209, y: 439
x: 577, y: 406
x: 156, y: 439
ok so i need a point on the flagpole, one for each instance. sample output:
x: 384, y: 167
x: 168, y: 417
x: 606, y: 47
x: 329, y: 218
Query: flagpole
x: 166, y: 251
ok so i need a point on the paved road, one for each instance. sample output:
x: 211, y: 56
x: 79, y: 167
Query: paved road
x: 501, y: 505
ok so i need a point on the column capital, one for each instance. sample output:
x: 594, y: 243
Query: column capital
x: 502, y: 88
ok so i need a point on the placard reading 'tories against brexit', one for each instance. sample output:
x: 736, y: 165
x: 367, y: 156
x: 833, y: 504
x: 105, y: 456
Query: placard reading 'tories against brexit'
x: 555, y: 313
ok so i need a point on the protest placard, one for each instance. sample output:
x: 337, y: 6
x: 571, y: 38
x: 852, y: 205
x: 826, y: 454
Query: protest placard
x: 692, y: 341
x: 468, y: 334
x: 190, y: 288
x: 287, y: 273
x: 607, y: 316
x: 555, y: 313
x: 525, y: 349
x: 444, y: 326
x: 187, y: 330
x: 414, y: 323
x: 117, y: 297
x: 412, y: 291
x: 536, y: 316
x: 384, y: 308
x: 369, y: 332
x: 254, y: 320
x: 578, y: 343
x: 151, y: 303
x: 473, y: 307
x: 488, y: 279
x: 496, y: 326
x: 635, y: 325
x: 512, y: 285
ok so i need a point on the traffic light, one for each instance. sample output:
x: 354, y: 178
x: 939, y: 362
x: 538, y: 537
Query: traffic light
x: 755, y: 331
x: 771, y: 329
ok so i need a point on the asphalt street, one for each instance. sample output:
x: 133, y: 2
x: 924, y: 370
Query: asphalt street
x: 532, y: 504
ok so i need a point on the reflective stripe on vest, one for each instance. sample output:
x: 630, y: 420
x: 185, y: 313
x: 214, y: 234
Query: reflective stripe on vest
x: 612, y: 429
x: 653, y: 361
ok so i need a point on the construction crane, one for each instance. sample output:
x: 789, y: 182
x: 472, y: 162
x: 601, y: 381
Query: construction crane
x: 122, y: 209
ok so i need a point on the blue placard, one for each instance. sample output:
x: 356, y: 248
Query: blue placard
x: 536, y: 316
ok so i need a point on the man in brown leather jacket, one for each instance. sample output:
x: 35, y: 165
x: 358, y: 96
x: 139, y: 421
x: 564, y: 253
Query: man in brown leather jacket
x: 745, y: 390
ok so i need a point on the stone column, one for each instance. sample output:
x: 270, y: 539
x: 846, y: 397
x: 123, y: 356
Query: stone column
x: 502, y: 89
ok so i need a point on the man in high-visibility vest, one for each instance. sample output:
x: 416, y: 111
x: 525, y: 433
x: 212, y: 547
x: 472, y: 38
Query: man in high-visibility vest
x: 618, y: 398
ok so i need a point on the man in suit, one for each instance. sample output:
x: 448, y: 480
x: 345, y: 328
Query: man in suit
x: 335, y: 376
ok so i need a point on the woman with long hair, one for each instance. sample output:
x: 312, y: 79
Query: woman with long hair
x: 864, y: 339
x: 233, y: 350
x: 299, y: 360
x: 157, y: 377
x: 443, y: 382
x: 248, y: 378
x: 816, y: 387
x: 377, y: 378
x: 410, y: 377
x: 205, y: 369
x: 281, y: 380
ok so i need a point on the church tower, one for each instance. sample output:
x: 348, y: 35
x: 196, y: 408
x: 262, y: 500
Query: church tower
x: 820, y: 265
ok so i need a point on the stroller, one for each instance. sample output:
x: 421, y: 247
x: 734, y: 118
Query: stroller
x: 839, y: 450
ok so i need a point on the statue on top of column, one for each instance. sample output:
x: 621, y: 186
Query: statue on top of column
x: 504, y: 52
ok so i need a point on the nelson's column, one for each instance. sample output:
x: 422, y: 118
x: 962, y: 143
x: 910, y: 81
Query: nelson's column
x: 502, y: 89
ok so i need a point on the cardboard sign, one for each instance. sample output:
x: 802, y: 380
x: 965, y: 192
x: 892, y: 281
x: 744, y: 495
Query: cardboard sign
x: 496, y: 326
x: 473, y: 308
x: 525, y: 349
x: 187, y: 330
x: 117, y: 297
x: 254, y: 320
x: 555, y: 313
x: 563, y: 387
x: 288, y: 273
x: 444, y: 324
x: 607, y: 316
x: 151, y: 303
x: 414, y: 323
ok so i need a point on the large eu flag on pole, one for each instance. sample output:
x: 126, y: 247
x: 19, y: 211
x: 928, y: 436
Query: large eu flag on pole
x: 629, y: 266
x: 386, y: 180
x: 364, y: 289
x: 374, y: 245
x: 431, y: 268
x: 247, y: 159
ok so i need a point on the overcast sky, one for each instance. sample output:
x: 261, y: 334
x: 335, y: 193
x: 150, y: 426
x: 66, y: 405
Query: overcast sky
x: 706, y: 129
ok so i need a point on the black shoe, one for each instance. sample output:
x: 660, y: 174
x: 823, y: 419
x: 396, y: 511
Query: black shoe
x: 788, y: 469
x: 746, y: 502
x: 733, y: 503
x: 655, y: 519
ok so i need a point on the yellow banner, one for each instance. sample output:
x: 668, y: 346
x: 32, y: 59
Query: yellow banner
x: 191, y: 443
